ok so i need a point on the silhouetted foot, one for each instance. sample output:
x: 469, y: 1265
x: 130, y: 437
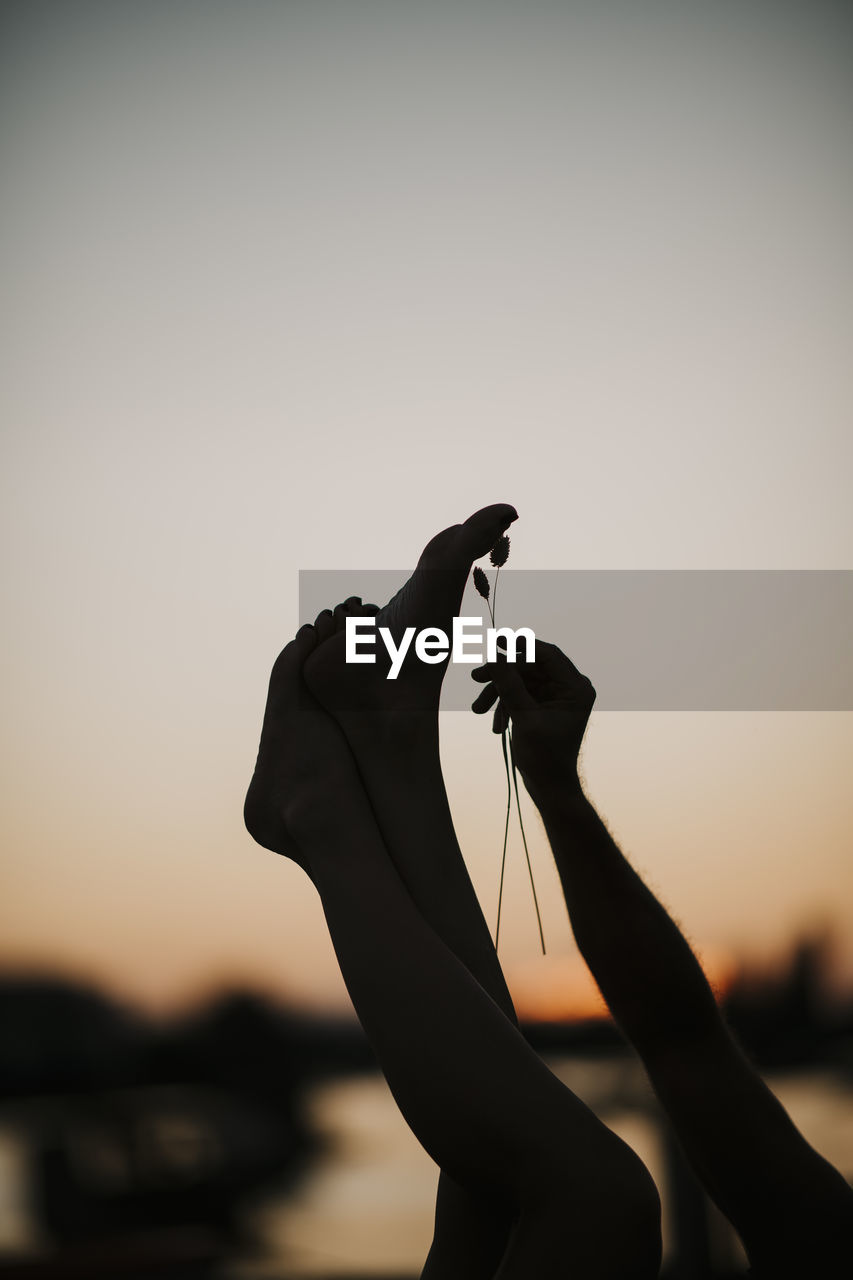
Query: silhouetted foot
x: 430, y: 598
x: 304, y: 762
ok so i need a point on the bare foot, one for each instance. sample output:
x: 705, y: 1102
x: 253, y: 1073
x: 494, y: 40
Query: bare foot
x: 303, y: 758
x: 430, y: 598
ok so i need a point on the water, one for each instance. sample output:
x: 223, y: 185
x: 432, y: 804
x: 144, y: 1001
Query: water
x: 367, y: 1206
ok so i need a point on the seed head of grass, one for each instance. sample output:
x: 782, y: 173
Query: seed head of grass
x: 499, y: 553
x: 481, y: 582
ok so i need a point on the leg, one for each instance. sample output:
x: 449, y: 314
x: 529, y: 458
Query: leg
x: 474, y: 1093
x: 392, y: 729
x: 471, y: 1230
x: 398, y: 761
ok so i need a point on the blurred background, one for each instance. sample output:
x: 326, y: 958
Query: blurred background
x: 292, y: 286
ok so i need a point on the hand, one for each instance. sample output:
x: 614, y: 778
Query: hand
x: 548, y: 702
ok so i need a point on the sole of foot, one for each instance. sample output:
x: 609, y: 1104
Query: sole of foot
x: 303, y: 756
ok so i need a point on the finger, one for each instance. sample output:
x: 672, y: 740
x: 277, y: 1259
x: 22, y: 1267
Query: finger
x: 553, y: 661
x: 494, y: 670
x: 485, y: 698
x: 488, y: 670
x: 513, y: 691
x: 550, y: 663
x: 500, y: 719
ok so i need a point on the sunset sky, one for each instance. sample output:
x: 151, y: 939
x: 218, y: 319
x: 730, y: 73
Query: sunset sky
x: 292, y: 286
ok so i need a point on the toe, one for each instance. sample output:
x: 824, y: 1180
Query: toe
x: 324, y: 625
x: 292, y: 656
x: 352, y: 605
x: 481, y: 531
x: 458, y: 546
x: 305, y: 641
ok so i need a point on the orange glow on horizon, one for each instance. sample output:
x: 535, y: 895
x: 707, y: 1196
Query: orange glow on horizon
x: 559, y: 988
x: 555, y: 988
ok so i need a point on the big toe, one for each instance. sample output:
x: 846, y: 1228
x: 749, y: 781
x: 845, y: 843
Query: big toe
x: 481, y: 531
x: 461, y: 544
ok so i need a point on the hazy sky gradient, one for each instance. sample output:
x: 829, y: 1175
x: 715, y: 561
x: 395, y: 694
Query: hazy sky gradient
x: 293, y: 286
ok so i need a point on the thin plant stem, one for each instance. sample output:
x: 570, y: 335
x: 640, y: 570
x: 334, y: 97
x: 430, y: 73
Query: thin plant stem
x: 495, y: 594
x: 524, y: 840
x: 506, y: 834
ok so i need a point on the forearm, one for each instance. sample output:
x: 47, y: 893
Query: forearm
x: 646, y: 971
x: 784, y: 1199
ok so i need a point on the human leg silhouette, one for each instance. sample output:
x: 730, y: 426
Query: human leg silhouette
x: 398, y: 763
x: 398, y: 760
x: 400, y: 757
x: 392, y: 727
x: 477, y: 1097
